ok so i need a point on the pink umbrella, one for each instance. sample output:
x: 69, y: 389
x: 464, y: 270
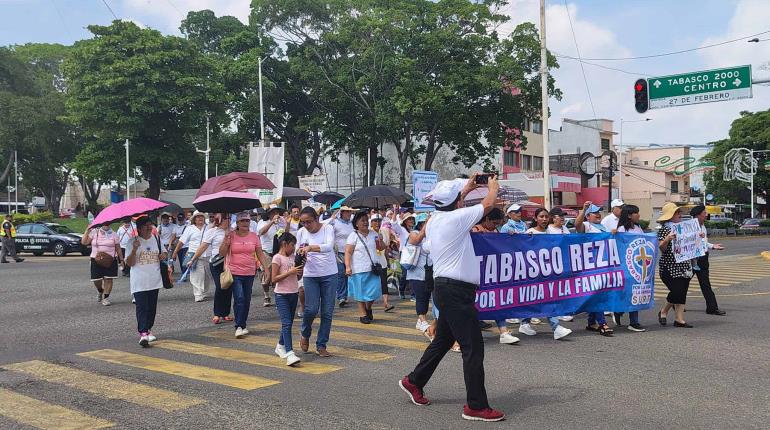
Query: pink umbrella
x: 126, y: 209
x: 235, y: 181
x: 226, y: 201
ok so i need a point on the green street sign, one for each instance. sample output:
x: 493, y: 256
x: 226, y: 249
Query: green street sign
x: 719, y: 85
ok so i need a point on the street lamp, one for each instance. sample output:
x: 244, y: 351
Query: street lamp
x: 620, y: 154
x: 208, y: 146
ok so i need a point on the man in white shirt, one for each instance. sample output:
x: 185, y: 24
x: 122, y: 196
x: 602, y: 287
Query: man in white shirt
x: 457, y: 276
x: 166, y: 231
x: 702, y: 271
x: 342, y: 229
x: 181, y: 226
x: 610, y: 222
x: 266, y: 229
x: 126, y: 233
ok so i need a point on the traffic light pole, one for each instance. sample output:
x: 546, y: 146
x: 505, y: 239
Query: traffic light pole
x: 544, y: 113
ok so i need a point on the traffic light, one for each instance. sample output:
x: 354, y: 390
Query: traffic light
x: 641, y: 98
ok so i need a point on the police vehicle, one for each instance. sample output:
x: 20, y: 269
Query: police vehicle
x: 39, y: 238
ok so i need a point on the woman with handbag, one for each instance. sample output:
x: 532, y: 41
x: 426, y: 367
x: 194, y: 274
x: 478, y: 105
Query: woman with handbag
x: 105, y: 254
x: 415, y: 258
x: 375, y: 223
x: 212, y: 240
x: 200, y: 277
x: 144, y: 259
x: 362, y: 269
x: 239, y: 248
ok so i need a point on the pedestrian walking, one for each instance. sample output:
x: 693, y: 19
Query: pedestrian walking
x: 7, y: 236
x: 320, y: 278
x: 341, y: 224
x: 180, y: 228
x: 456, y: 278
x: 200, y: 275
x: 240, y: 247
x: 712, y: 308
x: 375, y: 222
x: 610, y: 222
x: 144, y: 258
x: 267, y: 228
x: 589, y: 221
x: 293, y: 224
x: 362, y: 270
x: 676, y: 276
x: 211, y: 242
x: 416, y: 276
x: 629, y: 223
x: 166, y: 231
x: 286, y: 273
x: 126, y: 233
x: 402, y: 226
x: 105, y: 255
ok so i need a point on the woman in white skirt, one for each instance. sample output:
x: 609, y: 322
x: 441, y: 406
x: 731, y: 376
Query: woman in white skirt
x: 362, y: 266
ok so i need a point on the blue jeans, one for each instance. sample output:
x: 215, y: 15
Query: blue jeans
x: 241, y: 289
x: 181, y: 256
x: 287, y: 307
x: 222, y: 298
x: 553, y: 321
x: 596, y: 318
x: 342, y: 281
x: 319, y: 294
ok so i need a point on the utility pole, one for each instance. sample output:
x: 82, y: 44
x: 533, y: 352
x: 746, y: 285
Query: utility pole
x: 208, y: 146
x: 16, y: 180
x: 261, y: 109
x: 128, y: 192
x: 544, y: 113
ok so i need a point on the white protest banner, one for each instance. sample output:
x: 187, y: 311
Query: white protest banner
x: 313, y: 184
x: 688, y: 243
x: 268, y: 160
x: 423, y: 182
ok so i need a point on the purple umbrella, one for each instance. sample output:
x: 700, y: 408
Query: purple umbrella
x: 126, y: 209
x: 226, y: 201
x: 236, y: 181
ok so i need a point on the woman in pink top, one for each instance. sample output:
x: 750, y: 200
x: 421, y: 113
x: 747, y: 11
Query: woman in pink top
x: 240, y: 248
x: 103, y: 239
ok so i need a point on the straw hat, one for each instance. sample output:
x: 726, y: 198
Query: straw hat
x: 668, y: 211
x: 197, y: 213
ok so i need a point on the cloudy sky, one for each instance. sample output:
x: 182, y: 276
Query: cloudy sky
x: 602, y: 29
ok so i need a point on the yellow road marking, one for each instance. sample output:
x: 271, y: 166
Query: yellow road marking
x: 247, y: 357
x: 190, y: 371
x: 377, y: 316
x: 43, y: 415
x: 356, y: 354
x: 362, y: 338
x: 377, y: 327
x: 111, y: 388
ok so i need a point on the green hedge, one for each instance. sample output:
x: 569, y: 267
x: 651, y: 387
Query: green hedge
x: 764, y: 223
x: 719, y: 224
x: 44, y: 216
x: 644, y: 224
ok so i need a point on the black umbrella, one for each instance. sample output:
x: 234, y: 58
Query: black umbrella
x: 172, y: 208
x: 226, y: 201
x: 376, y: 196
x: 291, y: 193
x: 327, y: 198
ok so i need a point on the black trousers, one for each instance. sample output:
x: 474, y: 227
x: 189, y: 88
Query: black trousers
x: 458, y: 320
x: 146, y: 307
x: 705, y: 284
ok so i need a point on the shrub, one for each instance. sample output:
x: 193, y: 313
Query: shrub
x: 719, y: 224
x: 644, y: 224
x: 44, y: 216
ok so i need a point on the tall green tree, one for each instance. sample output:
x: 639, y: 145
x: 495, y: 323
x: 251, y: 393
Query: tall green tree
x: 136, y: 84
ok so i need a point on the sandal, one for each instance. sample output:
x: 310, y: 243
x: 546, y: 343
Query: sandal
x: 216, y: 320
x: 389, y: 308
x: 592, y: 328
x: 661, y: 318
x: 605, y: 330
x: 229, y: 318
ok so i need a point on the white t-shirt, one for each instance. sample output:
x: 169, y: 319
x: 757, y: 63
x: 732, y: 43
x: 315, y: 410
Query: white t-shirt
x: 293, y: 226
x: 192, y: 239
x: 552, y: 229
x: 402, y: 233
x: 214, y: 237
x: 636, y: 229
x: 322, y: 263
x: 451, y: 247
x: 610, y: 222
x: 342, y: 231
x: 145, y: 273
x: 126, y: 236
x: 165, y: 232
x: 360, y: 261
x: 533, y: 230
x: 180, y: 229
x: 592, y: 228
x: 267, y: 239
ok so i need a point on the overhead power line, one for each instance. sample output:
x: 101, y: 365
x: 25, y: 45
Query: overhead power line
x: 601, y: 66
x: 665, y: 54
x: 582, y: 69
x: 110, y: 9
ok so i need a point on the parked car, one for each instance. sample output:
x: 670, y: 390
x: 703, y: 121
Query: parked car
x: 722, y: 218
x: 569, y: 222
x: 750, y: 224
x: 39, y: 238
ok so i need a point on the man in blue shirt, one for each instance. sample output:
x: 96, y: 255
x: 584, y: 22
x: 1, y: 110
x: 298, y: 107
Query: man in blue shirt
x: 514, y: 225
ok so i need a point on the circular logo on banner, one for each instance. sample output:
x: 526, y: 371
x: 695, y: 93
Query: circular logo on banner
x: 639, y: 259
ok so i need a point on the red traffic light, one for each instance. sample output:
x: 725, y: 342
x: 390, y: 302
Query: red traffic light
x: 641, y: 98
x: 638, y: 87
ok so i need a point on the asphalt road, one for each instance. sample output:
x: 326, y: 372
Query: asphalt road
x: 712, y: 376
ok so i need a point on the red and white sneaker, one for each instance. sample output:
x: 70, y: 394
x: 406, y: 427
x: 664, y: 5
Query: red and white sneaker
x: 414, y: 392
x: 488, y: 414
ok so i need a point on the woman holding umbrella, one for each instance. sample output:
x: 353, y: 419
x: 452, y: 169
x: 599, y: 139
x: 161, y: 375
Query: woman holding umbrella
x: 360, y: 249
x: 103, y: 241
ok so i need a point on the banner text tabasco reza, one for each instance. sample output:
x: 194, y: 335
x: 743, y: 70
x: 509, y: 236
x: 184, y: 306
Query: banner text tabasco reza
x: 550, y: 275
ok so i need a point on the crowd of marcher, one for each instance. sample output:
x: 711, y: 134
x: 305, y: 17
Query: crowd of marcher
x: 310, y: 261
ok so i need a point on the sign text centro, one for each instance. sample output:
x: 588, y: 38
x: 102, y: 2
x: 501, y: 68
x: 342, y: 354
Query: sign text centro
x: 732, y: 83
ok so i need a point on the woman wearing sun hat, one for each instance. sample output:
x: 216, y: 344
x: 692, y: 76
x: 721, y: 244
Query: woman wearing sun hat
x: 676, y: 276
x: 200, y: 274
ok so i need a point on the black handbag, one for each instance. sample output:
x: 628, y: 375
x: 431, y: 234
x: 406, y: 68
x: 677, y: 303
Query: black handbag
x: 164, y: 275
x: 376, y: 267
